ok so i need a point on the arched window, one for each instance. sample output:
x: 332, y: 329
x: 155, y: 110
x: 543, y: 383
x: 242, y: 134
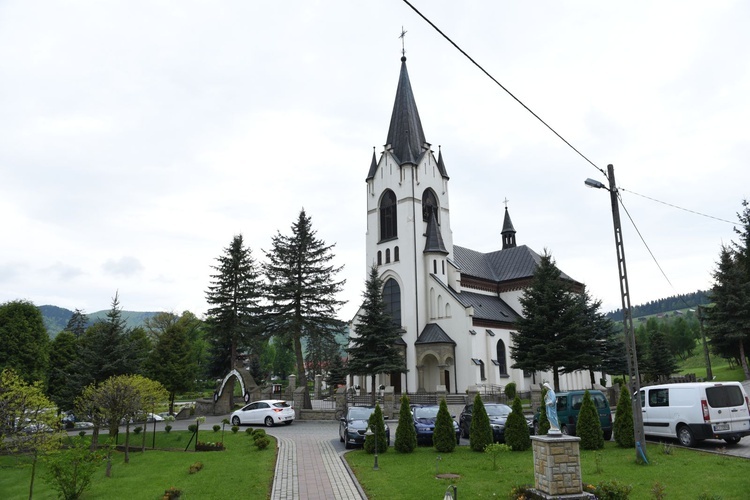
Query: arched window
x: 395, y: 254
x: 380, y: 257
x: 447, y: 310
x: 388, y: 228
x: 502, y: 364
x: 434, y: 266
x: 429, y: 205
x: 392, y: 300
x: 387, y: 255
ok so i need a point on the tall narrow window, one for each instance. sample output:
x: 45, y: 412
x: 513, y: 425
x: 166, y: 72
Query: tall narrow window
x: 387, y: 255
x: 395, y: 254
x: 429, y: 205
x: 502, y: 364
x: 434, y: 266
x: 392, y: 300
x: 380, y: 257
x: 388, y: 228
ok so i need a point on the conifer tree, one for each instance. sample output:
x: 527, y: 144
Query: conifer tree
x: 623, y: 425
x: 406, y: 435
x: 444, y: 435
x: 234, y: 316
x: 542, y: 425
x: 24, y: 343
x: 62, y: 358
x: 302, y: 289
x: 377, y: 425
x: 373, y: 348
x: 480, y: 432
x: 77, y: 323
x: 588, y: 427
x: 516, y: 428
x: 337, y: 372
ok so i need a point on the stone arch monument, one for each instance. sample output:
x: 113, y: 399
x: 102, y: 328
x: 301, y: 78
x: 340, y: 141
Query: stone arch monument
x: 223, y: 397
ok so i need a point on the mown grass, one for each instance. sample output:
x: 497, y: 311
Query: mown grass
x: 719, y: 367
x: 684, y: 474
x: 241, y: 471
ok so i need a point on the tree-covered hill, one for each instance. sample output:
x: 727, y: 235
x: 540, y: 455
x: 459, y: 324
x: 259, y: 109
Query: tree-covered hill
x: 56, y: 318
x: 673, y: 303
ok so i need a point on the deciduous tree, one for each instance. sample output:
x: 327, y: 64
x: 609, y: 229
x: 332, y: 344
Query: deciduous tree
x: 24, y: 342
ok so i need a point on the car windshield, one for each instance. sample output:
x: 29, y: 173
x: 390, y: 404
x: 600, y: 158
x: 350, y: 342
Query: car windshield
x: 281, y: 404
x: 360, y: 413
x: 426, y: 411
x: 498, y: 410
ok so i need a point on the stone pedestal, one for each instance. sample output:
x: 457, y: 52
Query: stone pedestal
x: 317, y: 385
x: 557, y: 467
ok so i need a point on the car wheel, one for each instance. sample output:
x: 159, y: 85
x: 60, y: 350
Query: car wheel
x: 458, y: 438
x: 236, y: 421
x: 288, y: 422
x: 732, y: 440
x: 564, y: 430
x: 685, y: 435
x: 268, y: 421
x: 341, y: 437
x: 348, y: 445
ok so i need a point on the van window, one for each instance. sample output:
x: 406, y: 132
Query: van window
x: 724, y: 396
x: 562, y: 403
x: 600, y: 401
x: 658, y: 397
x: 576, y: 401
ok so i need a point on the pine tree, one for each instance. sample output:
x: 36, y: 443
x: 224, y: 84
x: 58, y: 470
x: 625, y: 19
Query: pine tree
x: 516, y: 428
x: 377, y: 426
x: 480, y: 431
x: 373, y: 349
x: 24, y: 343
x: 77, y: 323
x: 302, y: 288
x: 406, y: 435
x: 337, y: 372
x: 549, y: 334
x: 234, y: 316
x: 444, y: 435
x: 62, y: 358
x: 588, y: 427
x: 623, y: 424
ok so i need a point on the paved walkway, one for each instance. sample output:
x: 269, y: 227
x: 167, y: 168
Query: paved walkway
x: 308, y: 467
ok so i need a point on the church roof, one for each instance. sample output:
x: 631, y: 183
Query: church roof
x: 501, y: 265
x: 434, y: 240
x: 433, y: 334
x: 489, y: 307
x: 373, y: 166
x: 507, y: 224
x: 405, y: 134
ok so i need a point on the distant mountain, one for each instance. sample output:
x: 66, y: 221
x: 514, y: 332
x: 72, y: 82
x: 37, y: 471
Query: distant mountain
x: 56, y: 318
x: 676, y: 302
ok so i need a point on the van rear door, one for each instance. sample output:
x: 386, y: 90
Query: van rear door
x: 727, y: 408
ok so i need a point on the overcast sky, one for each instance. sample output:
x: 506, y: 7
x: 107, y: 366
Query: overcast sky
x: 137, y: 138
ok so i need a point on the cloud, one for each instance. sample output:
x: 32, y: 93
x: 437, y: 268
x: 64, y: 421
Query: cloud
x: 125, y: 266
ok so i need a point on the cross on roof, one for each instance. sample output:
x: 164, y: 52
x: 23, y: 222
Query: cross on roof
x: 506, y: 202
x: 402, y: 36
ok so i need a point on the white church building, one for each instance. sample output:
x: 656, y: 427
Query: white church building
x: 456, y: 306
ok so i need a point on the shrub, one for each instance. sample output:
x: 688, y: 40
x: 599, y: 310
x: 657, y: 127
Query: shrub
x: 262, y: 442
x: 249, y: 431
x: 510, y: 391
x: 217, y: 427
x: 589, y: 428
x: 516, y: 428
x: 208, y: 446
x: 623, y: 426
x: 377, y: 425
x: 167, y: 428
x: 137, y: 430
x: 444, y: 436
x: 171, y: 493
x: 259, y: 433
x: 495, y: 449
x: 69, y: 471
x: 81, y: 433
x: 406, y: 435
x: 235, y: 429
x: 609, y: 490
x: 480, y: 432
x: 543, y: 422
x: 197, y: 466
x: 192, y: 427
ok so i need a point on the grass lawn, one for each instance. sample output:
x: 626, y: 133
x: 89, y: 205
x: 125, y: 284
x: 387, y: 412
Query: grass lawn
x: 241, y: 471
x: 719, y: 367
x: 685, y: 474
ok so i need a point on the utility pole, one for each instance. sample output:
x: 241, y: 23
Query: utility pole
x: 709, y: 373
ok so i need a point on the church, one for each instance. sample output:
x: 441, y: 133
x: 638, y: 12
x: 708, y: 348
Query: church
x: 456, y: 306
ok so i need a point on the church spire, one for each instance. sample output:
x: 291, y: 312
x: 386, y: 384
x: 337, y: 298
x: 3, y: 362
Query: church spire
x: 405, y: 134
x: 434, y: 240
x: 508, y: 232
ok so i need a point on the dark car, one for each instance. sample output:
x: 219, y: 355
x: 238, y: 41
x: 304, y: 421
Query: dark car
x: 498, y: 415
x: 569, y: 405
x: 424, y: 417
x: 353, y: 426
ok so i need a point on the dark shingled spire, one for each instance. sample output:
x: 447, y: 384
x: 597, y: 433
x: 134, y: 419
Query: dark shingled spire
x: 405, y: 134
x: 434, y: 241
x: 441, y: 165
x: 373, y: 165
x: 509, y: 234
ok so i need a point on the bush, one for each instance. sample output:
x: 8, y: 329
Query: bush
x: 167, y: 428
x: 171, y: 493
x: 259, y: 433
x: 623, y: 426
x: 197, y: 466
x: 510, y: 391
x: 377, y: 425
x: 588, y: 428
x: 217, y: 427
x: 543, y: 422
x: 249, y: 431
x: 516, y: 428
x: 480, y: 432
x: 495, y: 449
x: 235, y: 429
x: 262, y: 442
x: 69, y: 471
x: 208, y: 446
x: 193, y: 427
x: 406, y: 435
x: 137, y: 430
x: 609, y: 490
x: 444, y: 436
x: 81, y: 433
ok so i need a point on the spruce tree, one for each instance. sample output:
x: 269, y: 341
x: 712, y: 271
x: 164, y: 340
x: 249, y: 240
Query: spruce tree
x: 623, y: 424
x: 62, y: 358
x: 516, y: 428
x: 77, y: 323
x: 233, y: 318
x: 337, y: 372
x: 444, y: 435
x: 588, y: 427
x: 373, y: 348
x: 406, y: 435
x: 542, y: 425
x: 377, y: 426
x: 480, y: 431
x: 302, y: 289
x: 24, y: 342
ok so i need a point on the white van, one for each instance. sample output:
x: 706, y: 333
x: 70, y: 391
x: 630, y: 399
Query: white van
x: 696, y: 410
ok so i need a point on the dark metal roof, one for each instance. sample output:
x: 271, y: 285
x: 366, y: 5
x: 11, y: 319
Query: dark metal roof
x: 434, y: 240
x: 433, y: 334
x: 489, y: 307
x: 501, y: 265
x: 405, y: 134
x: 441, y: 164
x: 373, y: 166
x: 507, y: 224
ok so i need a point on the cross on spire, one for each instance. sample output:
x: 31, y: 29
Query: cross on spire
x: 402, y: 36
x: 506, y: 200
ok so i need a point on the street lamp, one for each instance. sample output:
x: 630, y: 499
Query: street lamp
x: 627, y: 318
x: 369, y: 432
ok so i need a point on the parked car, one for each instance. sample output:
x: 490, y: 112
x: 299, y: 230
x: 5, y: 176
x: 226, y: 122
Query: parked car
x: 695, y: 411
x: 498, y: 415
x: 353, y: 426
x: 268, y: 412
x: 424, y: 417
x: 569, y: 405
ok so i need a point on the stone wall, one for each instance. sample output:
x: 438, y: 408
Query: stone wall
x: 557, y: 465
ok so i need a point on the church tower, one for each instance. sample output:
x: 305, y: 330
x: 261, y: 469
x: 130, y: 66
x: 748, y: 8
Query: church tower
x: 408, y: 224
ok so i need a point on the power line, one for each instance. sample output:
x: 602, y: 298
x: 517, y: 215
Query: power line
x: 680, y: 208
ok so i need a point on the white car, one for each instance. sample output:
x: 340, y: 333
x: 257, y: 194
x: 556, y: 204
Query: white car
x: 268, y: 412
